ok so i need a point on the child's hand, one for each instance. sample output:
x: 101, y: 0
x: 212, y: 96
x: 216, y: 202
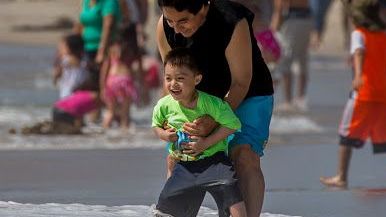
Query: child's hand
x: 169, y: 135
x: 196, y: 147
x: 357, y: 83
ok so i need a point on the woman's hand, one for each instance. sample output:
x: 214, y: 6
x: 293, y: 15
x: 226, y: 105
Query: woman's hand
x: 196, y: 147
x: 202, y: 126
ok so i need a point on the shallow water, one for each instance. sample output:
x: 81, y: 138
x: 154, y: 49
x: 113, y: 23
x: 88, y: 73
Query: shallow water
x: 12, y: 209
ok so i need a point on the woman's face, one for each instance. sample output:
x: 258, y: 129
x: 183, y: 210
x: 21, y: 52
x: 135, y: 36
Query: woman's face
x: 184, y: 22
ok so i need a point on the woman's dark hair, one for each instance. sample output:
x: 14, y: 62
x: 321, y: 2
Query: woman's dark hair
x: 128, y: 40
x: 75, y: 44
x: 182, y: 57
x: 193, y: 6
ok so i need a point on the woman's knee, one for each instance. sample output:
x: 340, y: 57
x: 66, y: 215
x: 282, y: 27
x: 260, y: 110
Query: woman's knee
x: 245, y: 158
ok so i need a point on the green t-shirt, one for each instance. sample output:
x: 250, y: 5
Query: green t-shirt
x: 170, y: 111
x: 92, y: 20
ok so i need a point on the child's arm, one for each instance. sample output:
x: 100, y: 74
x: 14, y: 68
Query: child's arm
x: 168, y: 135
x: 200, y: 144
x: 57, y: 68
x: 57, y: 73
x: 358, y: 66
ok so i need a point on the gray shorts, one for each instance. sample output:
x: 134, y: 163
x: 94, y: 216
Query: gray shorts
x: 185, y: 190
x: 294, y: 38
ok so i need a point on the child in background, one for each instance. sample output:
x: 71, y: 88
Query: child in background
x: 203, y: 165
x: 67, y: 114
x: 365, y: 112
x: 117, y: 79
x: 70, y: 69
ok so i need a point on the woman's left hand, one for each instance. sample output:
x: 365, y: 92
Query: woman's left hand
x: 202, y: 126
x: 196, y: 147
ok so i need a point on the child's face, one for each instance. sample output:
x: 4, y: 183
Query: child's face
x: 180, y: 82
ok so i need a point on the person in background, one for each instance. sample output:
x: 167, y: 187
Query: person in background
x: 319, y: 10
x: 365, y: 113
x: 383, y: 10
x: 117, y: 77
x: 99, y: 20
x: 70, y: 70
x: 136, y: 12
x: 293, y: 20
x: 220, y: 35
x: 267, y: 41
x: 67, y: 114
x: 203, y: 165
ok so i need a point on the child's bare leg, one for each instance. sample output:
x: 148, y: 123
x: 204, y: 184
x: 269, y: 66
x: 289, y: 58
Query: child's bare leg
x: 170, y: 163
x: 340, y: 179
x: 124, y: 114
x: 238, y: 210
x: 109, y: 116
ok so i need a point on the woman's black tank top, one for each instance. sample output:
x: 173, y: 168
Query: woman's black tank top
x: 209, y: 43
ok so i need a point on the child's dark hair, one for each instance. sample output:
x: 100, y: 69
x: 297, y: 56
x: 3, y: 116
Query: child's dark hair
x: 75, y: 44
x: 365, y: 14
x: 193, y: 6
x: 182, y: 57
x: 127, y: 38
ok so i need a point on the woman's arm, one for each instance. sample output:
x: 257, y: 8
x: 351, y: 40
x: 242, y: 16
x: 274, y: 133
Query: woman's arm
x: 239, y: 57
x: 162, y: 43
x: 108, y: 21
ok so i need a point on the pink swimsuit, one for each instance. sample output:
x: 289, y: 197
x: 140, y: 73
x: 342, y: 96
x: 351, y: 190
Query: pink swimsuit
x: 119, y: 86
x: 77, y: 104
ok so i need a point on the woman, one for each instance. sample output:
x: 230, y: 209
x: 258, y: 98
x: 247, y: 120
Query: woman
x: 220, y: 35
x: 98, y: 21
x: 293, y: 20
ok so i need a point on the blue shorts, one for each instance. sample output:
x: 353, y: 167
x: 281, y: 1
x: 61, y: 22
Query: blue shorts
x: 255, y: 115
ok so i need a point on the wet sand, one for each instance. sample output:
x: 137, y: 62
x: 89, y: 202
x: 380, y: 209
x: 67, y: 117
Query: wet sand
x: 135, y: 177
